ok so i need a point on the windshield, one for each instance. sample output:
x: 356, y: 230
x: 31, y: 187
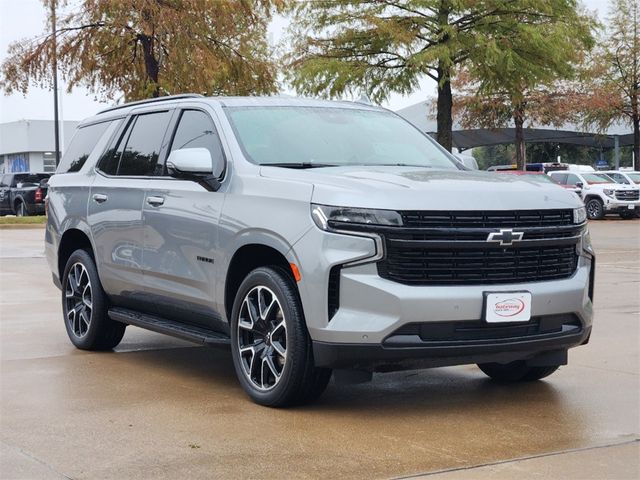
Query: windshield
x: 595, y: 178
x: 327, y: 136
x: 635, y: 177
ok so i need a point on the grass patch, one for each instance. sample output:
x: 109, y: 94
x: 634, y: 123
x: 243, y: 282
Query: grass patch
x: 35, y: 220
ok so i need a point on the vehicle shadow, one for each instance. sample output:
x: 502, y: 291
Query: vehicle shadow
x: 448, y: 389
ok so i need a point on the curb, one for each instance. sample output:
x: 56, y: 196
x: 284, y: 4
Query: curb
x: 26, y: 226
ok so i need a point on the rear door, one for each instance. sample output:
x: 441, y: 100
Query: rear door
x: 181, y: 230
x: 116, y: 203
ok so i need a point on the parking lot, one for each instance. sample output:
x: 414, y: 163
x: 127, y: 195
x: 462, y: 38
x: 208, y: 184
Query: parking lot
x: 162, y: 408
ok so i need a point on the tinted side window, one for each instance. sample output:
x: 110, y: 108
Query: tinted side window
x: 196, y: 130
x: 572, y: 179
x: 561, y: 178
x: 81, y: 147
x: 143, y: 146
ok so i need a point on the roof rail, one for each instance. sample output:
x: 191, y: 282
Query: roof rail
x: 152, y: 100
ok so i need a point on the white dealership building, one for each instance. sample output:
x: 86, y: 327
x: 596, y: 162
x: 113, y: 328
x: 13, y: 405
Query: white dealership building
x: 28, y: 145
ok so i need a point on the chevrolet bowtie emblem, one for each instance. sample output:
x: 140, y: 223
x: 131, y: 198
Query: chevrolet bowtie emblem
x: 505, y: 237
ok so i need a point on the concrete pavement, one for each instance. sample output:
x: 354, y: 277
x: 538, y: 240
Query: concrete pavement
x: 162, y: 408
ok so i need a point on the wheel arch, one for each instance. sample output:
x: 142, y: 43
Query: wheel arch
x: 72, y: 239
x: 245, y: 259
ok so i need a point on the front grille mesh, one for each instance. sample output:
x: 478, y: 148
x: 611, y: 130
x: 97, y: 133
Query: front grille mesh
x: 487, y: 219
x: 451, y: 248
x: 628, y: 195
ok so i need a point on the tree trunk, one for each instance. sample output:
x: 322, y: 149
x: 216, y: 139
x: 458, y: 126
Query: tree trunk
x: 150, y: 63
x: 444, y: 114
x: 445, y: 99
x: 636, y: 142
x: 518, y: 118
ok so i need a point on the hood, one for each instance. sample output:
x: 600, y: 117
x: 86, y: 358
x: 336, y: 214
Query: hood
x: 412, y: 188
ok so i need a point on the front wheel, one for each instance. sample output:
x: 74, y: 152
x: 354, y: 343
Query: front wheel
x: 516, y: 371
x: 595, y: 209
x: 85, y: 305
x: 271, y: 348
x: 628, y: 214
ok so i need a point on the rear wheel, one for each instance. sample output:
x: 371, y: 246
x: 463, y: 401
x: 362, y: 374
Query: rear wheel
x: 21, y: 210
x: 595, y: 209
x: 271, y: 348
x: 516, y: 371
x: 85, y: 305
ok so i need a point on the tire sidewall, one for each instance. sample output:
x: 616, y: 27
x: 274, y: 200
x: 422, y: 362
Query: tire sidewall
x: 98, y: 300
x: 278, y: 283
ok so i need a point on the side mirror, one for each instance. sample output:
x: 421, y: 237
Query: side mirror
x: 194, y: 161
x: 193, y: 164
x: 579, y: 184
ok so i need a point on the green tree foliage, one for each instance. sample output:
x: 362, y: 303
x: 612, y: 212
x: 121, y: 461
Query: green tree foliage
x: 613, y: 92
x: 529, y: 78
x: 147, y: 48
x: 384, y: 46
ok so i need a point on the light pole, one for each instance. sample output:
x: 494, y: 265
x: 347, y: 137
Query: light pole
x: 54, y: 66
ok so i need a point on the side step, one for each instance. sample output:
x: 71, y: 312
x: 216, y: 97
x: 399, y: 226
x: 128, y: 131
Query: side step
x: 169, y: 327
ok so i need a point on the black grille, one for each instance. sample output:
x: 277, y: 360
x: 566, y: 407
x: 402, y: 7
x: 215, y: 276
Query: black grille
x: 474, y: 266
x: 334, y: 291
x: 629, y: 195
x: 487, y: 219
x: 460, y: 247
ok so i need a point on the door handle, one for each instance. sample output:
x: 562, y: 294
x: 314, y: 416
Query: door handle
x: 155, y: 201
x: 100, y: 197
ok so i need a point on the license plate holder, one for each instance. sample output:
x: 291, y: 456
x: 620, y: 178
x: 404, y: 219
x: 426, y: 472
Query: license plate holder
x: 507, y: 307
x: 631, y: 207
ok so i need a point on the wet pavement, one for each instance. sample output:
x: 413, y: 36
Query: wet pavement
x: 162, y: 408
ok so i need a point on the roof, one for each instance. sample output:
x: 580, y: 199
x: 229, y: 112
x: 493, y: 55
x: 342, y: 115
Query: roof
x: 419, y: 115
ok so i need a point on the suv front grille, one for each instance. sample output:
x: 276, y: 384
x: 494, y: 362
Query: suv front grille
x: 628, y: 195
x: 487, y: 219
x: 422, y: 266
x: 452, y: 248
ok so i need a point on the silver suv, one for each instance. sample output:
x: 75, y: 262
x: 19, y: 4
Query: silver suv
x: 312, y: 237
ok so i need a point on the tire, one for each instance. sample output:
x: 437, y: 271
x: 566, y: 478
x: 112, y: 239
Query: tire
x: 270, y: 345
x: 595, y: 209
x: 85, y: 305
x: 516, y: 371
x: 21, y: 210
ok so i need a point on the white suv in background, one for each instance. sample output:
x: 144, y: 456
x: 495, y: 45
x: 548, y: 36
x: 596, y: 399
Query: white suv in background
x: 629, y: 177
x: 601, y: 194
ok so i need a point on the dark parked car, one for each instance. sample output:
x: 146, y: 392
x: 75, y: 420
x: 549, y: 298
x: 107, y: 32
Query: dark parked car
x: 23, y: 194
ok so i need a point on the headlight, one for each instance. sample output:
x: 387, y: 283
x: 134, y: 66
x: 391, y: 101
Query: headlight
x: 608, y: 192
x: 333, y: 218
x: 579, y: 215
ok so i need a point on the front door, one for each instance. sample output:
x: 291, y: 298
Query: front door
x: 180, y: 232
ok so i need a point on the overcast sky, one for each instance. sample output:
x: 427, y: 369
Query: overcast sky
x: 26, y: 18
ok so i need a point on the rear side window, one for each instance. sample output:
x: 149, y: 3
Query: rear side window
x: 140, y: 155
x: 83, y: 143
x: 196, y: 130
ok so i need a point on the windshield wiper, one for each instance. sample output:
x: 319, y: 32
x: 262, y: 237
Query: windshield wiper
x: 300, y: 165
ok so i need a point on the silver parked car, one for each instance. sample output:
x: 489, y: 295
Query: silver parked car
x: 312, y: 237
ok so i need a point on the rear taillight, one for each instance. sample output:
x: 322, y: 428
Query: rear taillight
x: 38, y: 196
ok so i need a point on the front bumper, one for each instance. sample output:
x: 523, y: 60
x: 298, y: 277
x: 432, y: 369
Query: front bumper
x: 616, y: 206
x: 360, y: 333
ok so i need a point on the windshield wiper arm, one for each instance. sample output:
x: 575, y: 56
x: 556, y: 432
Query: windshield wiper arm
x: 300, y: 165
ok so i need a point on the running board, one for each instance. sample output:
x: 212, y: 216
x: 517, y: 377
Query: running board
x: 169, y: 327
